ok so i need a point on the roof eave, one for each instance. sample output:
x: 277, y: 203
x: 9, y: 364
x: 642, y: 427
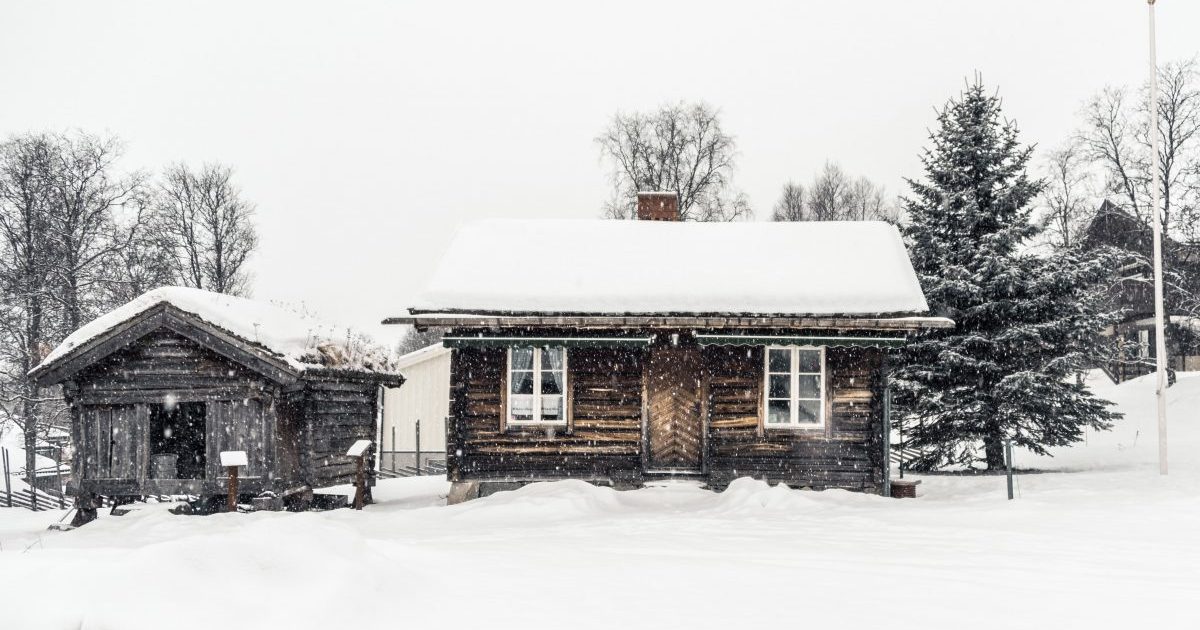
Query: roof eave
x: 899, y: 322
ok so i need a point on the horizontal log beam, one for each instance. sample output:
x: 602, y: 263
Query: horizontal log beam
x: 595, y: 322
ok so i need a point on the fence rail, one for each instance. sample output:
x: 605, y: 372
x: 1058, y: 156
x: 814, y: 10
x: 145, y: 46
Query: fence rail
x: 405, y: 464
x: 23, y: 498
x: 30, y: 498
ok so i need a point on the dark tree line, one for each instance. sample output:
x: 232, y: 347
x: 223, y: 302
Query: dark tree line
x: 79, y: 236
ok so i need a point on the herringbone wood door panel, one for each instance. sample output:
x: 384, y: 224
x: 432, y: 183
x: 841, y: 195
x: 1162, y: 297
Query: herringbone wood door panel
x: 673, y: 404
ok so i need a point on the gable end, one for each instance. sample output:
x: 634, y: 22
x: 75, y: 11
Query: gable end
x: 165, y: 317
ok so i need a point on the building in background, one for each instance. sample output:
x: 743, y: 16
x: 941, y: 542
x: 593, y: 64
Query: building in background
x: 425, y: 401
x: 1133, y: 293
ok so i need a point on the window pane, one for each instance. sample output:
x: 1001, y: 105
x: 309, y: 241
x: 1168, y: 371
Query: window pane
x: 778, y: 412
x: 552, y: 382
x: 522, y: 359
x: 522, y: 407
x: 552, y: 408
x: 779, y: 386
x: 810, y: 361
x: 552, y: 358
x: 808, y: 386
x: 522, y: 382
x: 809, y: 411
x: 779, y: 361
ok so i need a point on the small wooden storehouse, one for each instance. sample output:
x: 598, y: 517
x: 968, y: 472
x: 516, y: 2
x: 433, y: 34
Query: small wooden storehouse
x: 159, y: 387
x: 623, y: 351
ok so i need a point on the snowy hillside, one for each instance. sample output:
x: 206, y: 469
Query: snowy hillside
x: 1133, y: 442
x: 1111, y: 546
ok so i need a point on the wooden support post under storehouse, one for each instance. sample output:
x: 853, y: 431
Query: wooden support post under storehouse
x: 418, y: 445
x: 359, y: 451
x: 231, y: 460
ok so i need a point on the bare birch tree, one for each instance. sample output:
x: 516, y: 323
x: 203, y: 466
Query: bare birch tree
x: 96, y: 215
x: 868, y: 202
x: 1116, y: 137
x: 147, y: 263
x: 791, y: 205
x: 681, y: 148
x: 210, y: 226
x: 1068, y: 198
x: 834, y: 196
x: 829, y: 195
x: 26, y: 252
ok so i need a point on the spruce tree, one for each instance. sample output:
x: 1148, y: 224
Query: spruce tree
x: 1025, y: 325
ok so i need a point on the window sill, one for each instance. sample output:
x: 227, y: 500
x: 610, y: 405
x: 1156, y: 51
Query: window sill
x: 795, y: 428
x: 536, y: 425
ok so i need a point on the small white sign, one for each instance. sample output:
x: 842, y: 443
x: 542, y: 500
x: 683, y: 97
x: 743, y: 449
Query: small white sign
x: 233, y: 458
x: 359, y: 448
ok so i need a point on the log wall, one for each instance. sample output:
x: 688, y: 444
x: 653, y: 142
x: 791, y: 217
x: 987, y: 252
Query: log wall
x: 294, y: 436
x: 846, y: 453
x: 602, y: 439
x: 337, y: 413
x: 605, y: 434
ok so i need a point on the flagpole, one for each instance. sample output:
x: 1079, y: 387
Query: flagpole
x: 1160, y: 342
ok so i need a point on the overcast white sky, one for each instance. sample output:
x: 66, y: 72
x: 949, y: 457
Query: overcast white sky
x: 366, y: 131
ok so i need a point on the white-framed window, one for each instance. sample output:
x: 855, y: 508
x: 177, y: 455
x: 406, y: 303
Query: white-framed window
x: 537, y: 385
x: 794, y: 382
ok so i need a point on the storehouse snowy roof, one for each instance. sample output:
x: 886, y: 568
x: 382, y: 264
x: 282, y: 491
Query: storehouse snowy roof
x: 300, y: 340
x: 660, y: 267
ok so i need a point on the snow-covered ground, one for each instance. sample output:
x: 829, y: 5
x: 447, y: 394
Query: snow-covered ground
x: 1110, y: 544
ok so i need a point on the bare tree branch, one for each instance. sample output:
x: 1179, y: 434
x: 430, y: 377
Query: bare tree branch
x: 209, y: 225
x: 680, y: 148
x: 834, y: 196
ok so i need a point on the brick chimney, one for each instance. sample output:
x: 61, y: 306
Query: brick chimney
x: 658, y: 206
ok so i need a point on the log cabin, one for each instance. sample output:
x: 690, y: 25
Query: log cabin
x: 621, y: 352
x: 159, y: 387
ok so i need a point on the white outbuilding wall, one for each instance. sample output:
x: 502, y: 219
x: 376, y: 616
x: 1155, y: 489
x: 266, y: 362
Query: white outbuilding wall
x: 425, y: 395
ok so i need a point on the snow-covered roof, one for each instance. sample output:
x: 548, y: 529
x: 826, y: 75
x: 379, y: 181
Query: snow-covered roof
x: 653, y: 267
x: 431, y: 351
x: 302, y: 341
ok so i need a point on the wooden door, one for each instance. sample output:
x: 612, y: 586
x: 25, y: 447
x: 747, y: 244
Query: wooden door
x: 114, y: 442
x: 673, y: 425
x: 236, y: 425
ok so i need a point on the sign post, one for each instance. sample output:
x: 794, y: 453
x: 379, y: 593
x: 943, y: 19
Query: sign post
x: 230, y: 460
x: 1008, y: 456
x: 359, y: 451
